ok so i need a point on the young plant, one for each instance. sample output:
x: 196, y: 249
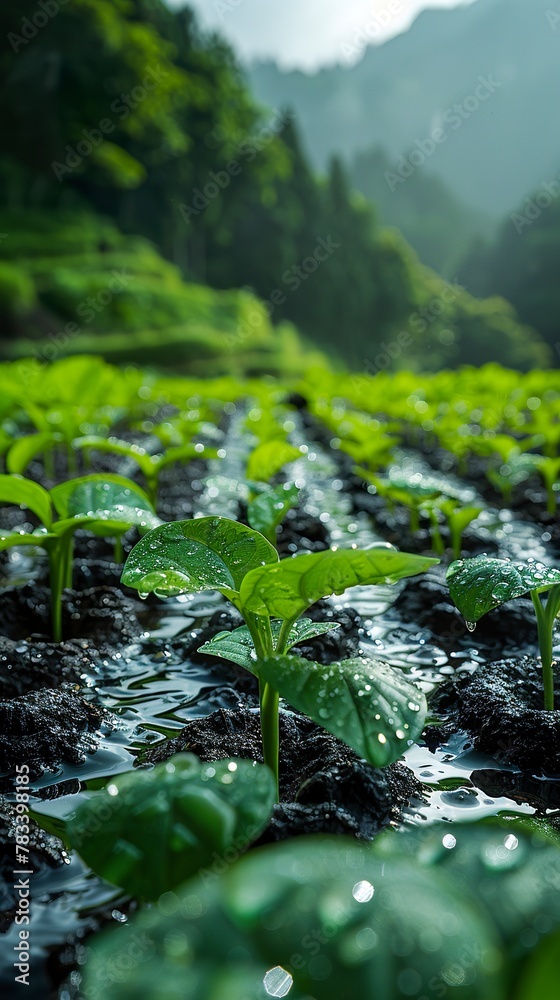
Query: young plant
x: 104, y: 504
x: 481, y: 584
x: 430, y: 496
x: 149, y: 831
x: 268, y: 505
x: 269, y: 458
x: 363, y: 702
x: 150, y: 465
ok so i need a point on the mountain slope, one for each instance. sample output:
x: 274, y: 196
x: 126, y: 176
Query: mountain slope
x: 404, y: 89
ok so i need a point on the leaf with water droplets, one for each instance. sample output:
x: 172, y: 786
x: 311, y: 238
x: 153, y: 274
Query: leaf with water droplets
x: 287, y: 589
x: 267, y: 510
x: 26, y: 493
x: 354, y: 700
x: 268, y: 458
x: 10, y: 539
x: 238, y: 647
x: 148, y: 831
x: 480, y: 584
x: 188, y: 557
x: 104, y: 504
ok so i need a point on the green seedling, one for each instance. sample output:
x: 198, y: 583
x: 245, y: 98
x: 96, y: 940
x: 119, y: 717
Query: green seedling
x: 269, y: 458
x: 151, y: 466
x: 367, y: 704
x: 548, y: 469
x: 148, y: 831
x: 481, y: 584
x: 104, y: 504
x: 268, y: 506
x: 427, y: 495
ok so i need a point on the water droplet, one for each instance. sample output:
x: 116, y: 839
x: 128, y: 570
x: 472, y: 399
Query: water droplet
x: 471, y: 626
x: 277, y: 982
x: 363, y: 891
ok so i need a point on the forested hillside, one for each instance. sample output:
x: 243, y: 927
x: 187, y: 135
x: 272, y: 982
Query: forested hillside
x: 132, y: 140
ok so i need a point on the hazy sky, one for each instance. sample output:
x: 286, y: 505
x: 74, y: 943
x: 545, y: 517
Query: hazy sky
x: 307, y: 33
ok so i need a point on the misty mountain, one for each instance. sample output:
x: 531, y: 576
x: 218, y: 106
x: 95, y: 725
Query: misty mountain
x: 469, y: 93
x: 441, y: 228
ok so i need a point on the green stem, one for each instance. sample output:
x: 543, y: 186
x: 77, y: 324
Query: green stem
x: 456, y: 538
x: 118, y: 550
x: 435, y: 534
x: 545, y: 623
x: 270, y: 730
x: 48, y: 463
x: 283, y: 637
x: 152, y: 486
x: 261, y: 633
x: 56, y: 580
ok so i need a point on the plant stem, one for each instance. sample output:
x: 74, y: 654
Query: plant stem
x: 283, y: 637
x: 435, y: 533
x: 56, y: 580
x: 118, y: 550
x: 545, y: 624
x: 269, y: 700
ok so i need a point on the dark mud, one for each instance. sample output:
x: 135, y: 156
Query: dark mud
x: 501, y: 707
x: 45, y: 851
x: 324, y: 786
x: 103, y: 616
x: 46, y: 728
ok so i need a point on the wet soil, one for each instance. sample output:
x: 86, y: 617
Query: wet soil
x: 45, y: 728
x: 501, y: 707
x: 324, y: 786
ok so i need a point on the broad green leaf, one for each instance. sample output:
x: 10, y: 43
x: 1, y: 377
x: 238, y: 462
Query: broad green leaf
x: 24, y: 449
x: 368, y: 704
x: 539, y: 978
x: 187, y: 557
x: 459, y: 517
x: 148, y: 831
x: 343, y: 923
x: 238, y: 647
x: 185, y: 452
x: 9, y: 539
x: 26, y: 493
x: 103, y: 503
x: 269, y: 508
x: 115, y: 446
x: 285, y: 590
x: 267, y: 459
x: 480, y: 584
x: 514, y: 869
